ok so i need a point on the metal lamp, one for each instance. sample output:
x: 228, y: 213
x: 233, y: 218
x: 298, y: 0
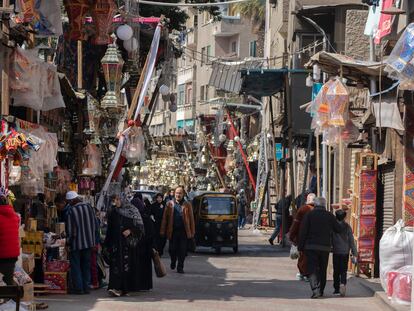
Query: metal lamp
x: 112, y: 64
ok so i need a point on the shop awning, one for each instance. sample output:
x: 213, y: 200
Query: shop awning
x: 353, y: 69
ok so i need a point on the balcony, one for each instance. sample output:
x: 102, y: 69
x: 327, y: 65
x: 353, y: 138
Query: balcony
x: 228, y: 26
x: 184, y: 75
x: 191, y: 40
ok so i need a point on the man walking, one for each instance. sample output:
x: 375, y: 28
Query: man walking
x: 283, y: 204
x: 178, y: 226
x: 242, y: 209
x: 81, y: 228
x: 315, y: 240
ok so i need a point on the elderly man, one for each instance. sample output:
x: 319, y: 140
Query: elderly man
x: 315, y: 240
x: 178, y: 226
x: 81, y: 228
x: 294, y: 234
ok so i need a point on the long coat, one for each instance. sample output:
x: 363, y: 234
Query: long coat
x: 167, y: 224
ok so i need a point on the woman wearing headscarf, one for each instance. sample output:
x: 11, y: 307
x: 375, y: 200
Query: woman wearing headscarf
x: 157, y: 210
x: 145, y: 246
x: 124, y: 233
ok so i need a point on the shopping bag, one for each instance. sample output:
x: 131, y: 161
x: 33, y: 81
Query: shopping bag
x: 159, y: 267
x: 294, y: 253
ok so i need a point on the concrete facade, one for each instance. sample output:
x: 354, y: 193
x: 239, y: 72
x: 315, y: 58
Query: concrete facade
x: 356, y: 43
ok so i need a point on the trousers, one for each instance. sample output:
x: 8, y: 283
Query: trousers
x: 317, y: 265
x: 7, y: 269
x: 340, y: 267
x: 278, y: 226
x: 80, y: 269
x: 178, y: 247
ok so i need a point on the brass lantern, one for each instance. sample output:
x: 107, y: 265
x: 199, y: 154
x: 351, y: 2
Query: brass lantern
x: 112, y: 64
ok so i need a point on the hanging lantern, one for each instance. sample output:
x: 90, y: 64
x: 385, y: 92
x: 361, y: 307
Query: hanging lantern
x: 222, y: 138
x: 112, y: 64
x: 164, y: 89
x: 76, y: 10
x: 131, y: 45
x: 236, y: 139
x: 103, y: 12
x: 309, y: 81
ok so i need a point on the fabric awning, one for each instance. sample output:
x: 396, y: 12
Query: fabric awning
x: 353, y: 69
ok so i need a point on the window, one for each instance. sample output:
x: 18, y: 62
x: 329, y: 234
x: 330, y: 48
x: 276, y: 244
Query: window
x: 181, y: 95
x: 206, y: 88
x: 208, y: 48
x: 234, y: 47
x: 195, y: 23
x: 205, y: 17
x: 202, y: 92
x: 203, y: 56
x: 189, y: 95
x: 253, y: 49
x: 218, y: 206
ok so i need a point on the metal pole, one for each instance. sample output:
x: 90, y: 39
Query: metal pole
x: 305, y: 178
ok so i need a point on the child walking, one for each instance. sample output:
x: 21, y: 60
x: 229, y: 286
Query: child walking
x: 342, y: 243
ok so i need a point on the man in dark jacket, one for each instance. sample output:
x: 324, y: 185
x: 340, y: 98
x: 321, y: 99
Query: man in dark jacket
x: 315, y: 240
x: 283, y: 204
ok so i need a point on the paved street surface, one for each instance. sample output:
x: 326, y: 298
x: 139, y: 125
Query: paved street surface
x: 261, y: 277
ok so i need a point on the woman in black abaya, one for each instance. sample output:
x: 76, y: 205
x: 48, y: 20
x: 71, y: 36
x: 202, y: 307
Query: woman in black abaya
x: 145, y: 247
x: 124, y: 233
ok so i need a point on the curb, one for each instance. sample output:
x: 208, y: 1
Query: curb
x: 380, y: 296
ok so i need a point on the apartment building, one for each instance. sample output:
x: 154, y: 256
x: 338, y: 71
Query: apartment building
x: 203, y: 41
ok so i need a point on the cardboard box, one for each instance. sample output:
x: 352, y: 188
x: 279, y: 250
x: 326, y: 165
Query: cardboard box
x: 28, y: 262
x: 60, y: 228
x: 32, y: 224
x: 57, y: 282
x: 28, y: 292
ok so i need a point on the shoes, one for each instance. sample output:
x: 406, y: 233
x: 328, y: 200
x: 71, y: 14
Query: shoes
x: 180, y: 270
x: 172, y: 265
x: 321, y: 294
x: 315, y: 296
x: 299, y: 277
x: 75, y: 292
x: 306, y: 279
x: 271, y: 242
x: 336, y: 293
x: 115, y: 293
x: 342, y: 290
x: 86, y: 292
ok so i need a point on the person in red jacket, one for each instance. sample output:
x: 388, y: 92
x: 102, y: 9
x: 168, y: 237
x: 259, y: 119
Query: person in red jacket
x: 9, y: 238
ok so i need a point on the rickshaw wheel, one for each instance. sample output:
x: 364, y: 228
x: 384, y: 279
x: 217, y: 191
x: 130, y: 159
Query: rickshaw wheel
x: 235, y: 249
x: 217, y: 250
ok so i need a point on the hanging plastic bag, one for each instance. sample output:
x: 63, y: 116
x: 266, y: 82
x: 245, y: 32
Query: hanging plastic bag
x: 396, y: 250
x: 135, y: 146
x: 92, y: 160
x: 294, y: 253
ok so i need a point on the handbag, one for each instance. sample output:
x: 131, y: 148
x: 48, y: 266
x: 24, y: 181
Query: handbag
x: 159, y: 267
x: 191, y: 245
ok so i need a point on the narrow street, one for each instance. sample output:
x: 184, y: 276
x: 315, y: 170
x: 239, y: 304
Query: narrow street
x: 260, y: 277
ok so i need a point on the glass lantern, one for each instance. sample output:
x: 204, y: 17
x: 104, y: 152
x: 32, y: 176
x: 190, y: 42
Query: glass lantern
x: 112, y: 64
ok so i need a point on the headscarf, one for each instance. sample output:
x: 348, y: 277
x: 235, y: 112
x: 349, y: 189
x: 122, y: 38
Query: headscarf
x: 139, y: 204
x: 128, y: 210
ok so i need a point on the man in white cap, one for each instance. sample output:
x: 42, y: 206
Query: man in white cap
x: 315, y: 240
x: 81, y: 228
x: 295, y: 230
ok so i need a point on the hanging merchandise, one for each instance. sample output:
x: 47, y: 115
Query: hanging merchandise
x: 103, y: 12
x: 135, y: 145
x: 92, y: 160
x: 400, y: 63
x: 388, y: 115
x: 76, y: 10
x: 49, y: 20
x: 26, y: 9
x: 337, y: 98
x: 33, y: 82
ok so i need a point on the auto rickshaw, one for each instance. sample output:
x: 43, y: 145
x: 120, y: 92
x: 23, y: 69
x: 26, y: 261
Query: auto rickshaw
x: 215, y: 216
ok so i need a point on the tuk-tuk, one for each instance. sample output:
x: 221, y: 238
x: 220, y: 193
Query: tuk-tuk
x: 215, y: 216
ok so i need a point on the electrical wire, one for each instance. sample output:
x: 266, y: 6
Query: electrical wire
x: 181, y: 4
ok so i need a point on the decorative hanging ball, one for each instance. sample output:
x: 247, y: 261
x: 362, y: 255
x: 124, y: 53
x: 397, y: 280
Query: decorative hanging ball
x: 124, y: 32
x: 236, y: 139
x: 165, y: 98
x: 131, y: 123
x: 172, y: 107
x: 164, y: 90
x: 131, y: 45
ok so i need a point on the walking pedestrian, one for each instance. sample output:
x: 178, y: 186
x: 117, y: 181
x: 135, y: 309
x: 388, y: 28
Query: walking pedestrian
x: 283, y: 204
x: 343, y: 243
x: 242, y: 209
x: 169, y: 196
x: 81, y: 229
x: 178, y: 226
x: 143, y: 267
x: 294, y: 234
x: 125, y: 229
x: 157, y: 210
x: 315, y: 240
x: 9, y: 238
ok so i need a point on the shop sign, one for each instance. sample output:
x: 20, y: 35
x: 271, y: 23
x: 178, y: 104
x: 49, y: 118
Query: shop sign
x: 279, y: 151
